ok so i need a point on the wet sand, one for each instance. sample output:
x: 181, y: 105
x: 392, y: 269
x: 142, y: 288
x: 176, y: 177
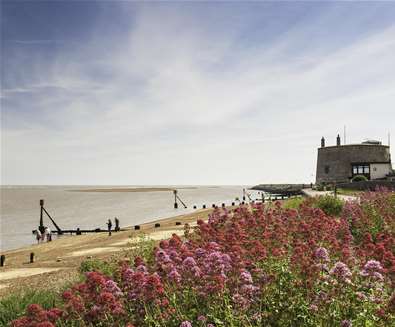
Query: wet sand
x: 57, y: 262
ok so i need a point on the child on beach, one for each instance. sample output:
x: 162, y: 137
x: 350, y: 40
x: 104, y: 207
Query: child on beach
x: 48, y: 234
x: 38, y: 235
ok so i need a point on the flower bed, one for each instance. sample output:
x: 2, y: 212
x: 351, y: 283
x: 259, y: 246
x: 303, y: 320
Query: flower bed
x: 254, y: 266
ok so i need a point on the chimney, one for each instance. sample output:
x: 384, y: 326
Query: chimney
x: 338, y: 140
x: 322, y: 142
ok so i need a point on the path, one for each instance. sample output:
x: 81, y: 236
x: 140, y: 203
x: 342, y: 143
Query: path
x: 313, y: 193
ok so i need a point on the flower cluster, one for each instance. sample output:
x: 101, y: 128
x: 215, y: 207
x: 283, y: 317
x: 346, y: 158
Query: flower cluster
x: 36, y: 316
x: 255, y: 265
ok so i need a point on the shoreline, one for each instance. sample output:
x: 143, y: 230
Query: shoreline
x: 57, y: 262
x: 132, y: 189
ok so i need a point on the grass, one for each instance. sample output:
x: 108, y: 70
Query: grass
x: 14, y: 305
x: 345, y: 191
x: 293, y: 203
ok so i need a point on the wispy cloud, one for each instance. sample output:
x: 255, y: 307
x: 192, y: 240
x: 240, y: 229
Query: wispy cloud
x: 35, y: 42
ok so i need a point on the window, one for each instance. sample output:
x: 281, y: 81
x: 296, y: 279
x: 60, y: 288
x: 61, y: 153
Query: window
x: 361, y: 169
x: 326, y: 169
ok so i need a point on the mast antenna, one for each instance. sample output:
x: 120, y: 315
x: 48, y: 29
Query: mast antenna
x: 344, y: 134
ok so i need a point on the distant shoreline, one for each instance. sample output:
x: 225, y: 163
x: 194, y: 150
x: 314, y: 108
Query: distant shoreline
x: 131, y: 189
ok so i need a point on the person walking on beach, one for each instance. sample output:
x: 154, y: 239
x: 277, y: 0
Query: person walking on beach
x: 109, y: 225
x: 117, y: 229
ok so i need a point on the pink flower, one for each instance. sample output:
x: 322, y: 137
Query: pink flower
x: 321, y: 254
x: 341, y: 271
x: 372, y: 268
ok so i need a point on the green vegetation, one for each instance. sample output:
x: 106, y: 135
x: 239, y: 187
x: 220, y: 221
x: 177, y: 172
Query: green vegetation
x: 293, y: 203
x: 105, y: 267
x: 345, y: 191
x: 14, y: 305
x: 144, y: 249
x: 329, y: 204
x: 359, y: 178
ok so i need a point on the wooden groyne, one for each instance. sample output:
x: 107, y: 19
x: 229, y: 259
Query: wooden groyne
x: 287, y: 190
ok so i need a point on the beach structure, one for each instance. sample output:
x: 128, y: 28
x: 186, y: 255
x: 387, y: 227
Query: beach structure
x: 60, y: 231
x: 341, y: 163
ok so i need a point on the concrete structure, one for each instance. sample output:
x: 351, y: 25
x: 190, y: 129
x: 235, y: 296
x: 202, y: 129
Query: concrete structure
x: 340, y: 163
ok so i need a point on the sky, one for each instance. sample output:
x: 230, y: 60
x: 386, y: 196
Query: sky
x: 171, y: 93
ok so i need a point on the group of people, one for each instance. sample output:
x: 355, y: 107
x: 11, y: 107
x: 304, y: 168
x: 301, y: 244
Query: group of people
x: 109, y: 226
x: 45, y: 235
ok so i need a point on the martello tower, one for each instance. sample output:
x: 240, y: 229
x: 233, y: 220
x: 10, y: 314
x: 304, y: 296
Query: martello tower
x: 340, y: 163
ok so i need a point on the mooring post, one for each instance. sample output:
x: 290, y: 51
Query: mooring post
x: 175, y: 199
x: 2, y: 260
x: 41, y: 227
x: 31, y: 257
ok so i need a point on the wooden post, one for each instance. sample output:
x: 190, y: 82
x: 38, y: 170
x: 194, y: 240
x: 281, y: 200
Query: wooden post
x: 175, y: 199
x: 31, y: 257
x: 41, y: 227
x: 2, y: 260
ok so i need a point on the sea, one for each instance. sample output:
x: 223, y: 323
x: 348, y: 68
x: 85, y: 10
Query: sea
x: 20, y: 207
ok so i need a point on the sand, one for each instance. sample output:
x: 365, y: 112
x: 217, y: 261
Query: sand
x: 24, y: 272
x: 94, y: 251
x: 57, y: 262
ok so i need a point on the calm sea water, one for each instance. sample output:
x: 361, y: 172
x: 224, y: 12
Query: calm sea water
x: 20, y: 209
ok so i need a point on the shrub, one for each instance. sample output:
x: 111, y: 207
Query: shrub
x: 359, y: 178
x: 13, y: 306
x: 105, y: 267
x: 293, y: 203
x: 330, y: 205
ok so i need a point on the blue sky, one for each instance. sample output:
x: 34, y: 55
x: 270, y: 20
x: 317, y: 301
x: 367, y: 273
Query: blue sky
x: 189, y: 93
